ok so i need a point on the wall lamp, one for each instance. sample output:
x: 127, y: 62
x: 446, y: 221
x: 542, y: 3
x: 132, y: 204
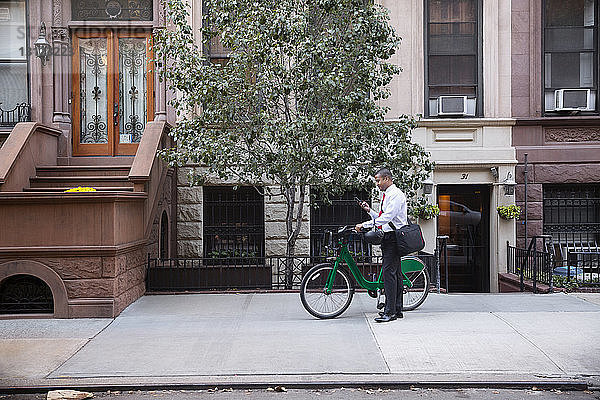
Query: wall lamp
x: 427, y: 186
x: 509, y: 185
x: 494, y: 172
x: 42, y: 47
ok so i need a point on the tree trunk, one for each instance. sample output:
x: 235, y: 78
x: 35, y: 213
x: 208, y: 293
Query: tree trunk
x: 293, y: 226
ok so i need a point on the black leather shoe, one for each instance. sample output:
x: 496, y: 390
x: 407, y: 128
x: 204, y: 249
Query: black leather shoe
x: 398, y: 315
x: 385, y: 318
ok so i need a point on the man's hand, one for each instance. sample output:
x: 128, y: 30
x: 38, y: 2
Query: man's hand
x: 365, y: 206
x: 358, y: 227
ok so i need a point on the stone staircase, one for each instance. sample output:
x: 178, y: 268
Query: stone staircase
x: 89, y: 248
x: 62, y: 177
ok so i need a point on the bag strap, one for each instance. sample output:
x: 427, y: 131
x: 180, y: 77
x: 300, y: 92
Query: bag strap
x: 407, y: 220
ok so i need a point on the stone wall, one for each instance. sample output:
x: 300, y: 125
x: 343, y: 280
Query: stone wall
x: 190, y: 218
x: 93, y: 286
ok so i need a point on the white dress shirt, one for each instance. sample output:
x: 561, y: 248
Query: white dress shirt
x: 393, y: 210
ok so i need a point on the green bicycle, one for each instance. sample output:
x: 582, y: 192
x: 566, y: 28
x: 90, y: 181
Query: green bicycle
x: 326, y: 290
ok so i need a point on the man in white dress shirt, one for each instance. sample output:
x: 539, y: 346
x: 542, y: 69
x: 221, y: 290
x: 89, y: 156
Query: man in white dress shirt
x: 393, y: 209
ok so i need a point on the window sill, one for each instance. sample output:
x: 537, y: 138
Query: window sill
x: 464, y: 122
x: 566, y: 120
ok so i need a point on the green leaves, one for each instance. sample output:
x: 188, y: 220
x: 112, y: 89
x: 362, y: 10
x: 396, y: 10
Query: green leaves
x: 296, y: 102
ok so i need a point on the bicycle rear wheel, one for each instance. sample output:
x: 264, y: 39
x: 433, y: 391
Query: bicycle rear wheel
x: 314, y: 297
x: 416, y: 295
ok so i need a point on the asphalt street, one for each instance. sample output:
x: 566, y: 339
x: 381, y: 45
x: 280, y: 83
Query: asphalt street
x: 342, y: 393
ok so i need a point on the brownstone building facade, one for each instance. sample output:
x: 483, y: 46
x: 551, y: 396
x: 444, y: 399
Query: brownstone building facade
x: 555, y: 104
x: 81, y: 105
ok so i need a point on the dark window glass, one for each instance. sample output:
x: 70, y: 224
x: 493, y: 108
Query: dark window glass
x: 567, y: 13
x: 453, y: 50
x: 567, y: 70
x: 13, y: 62
x: 25, y: 294
x: 234, y: 223
x: 164, y: 236
x: 453, y: 70
x: 112, y: 10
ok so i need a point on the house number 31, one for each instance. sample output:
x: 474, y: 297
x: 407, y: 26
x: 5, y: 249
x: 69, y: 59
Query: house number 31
x: 464, y: 176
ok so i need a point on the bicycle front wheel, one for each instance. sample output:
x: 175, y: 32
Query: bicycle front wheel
x: 415, y: 296
x: 315, y: 298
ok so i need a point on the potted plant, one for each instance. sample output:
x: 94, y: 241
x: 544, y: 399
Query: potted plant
x: 427, y: 211
x: 509, y: 212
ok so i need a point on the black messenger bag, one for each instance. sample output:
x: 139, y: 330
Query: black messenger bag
x: 409, y: 238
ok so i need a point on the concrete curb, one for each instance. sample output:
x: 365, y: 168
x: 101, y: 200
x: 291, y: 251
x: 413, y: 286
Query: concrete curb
x: 264, y: 382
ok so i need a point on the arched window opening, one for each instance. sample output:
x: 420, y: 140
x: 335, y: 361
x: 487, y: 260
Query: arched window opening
x: 25, y: 294
x: 164, y: 236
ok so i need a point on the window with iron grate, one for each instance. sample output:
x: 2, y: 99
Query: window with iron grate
x: 25, y: 294
x: 234, y: 223
x: 572, y: 216
x: 112, y: 10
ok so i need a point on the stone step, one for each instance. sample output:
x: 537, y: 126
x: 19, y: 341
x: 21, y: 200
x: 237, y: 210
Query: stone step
x: 62, y: 189
x: 74, y: 181
x: 82, y: 170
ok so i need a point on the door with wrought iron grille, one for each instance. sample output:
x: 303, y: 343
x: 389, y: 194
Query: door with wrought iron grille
x: 113, y: 93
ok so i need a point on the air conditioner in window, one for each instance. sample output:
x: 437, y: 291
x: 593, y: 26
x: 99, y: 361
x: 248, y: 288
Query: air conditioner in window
x: 452, y: 105
x: 572, y: 100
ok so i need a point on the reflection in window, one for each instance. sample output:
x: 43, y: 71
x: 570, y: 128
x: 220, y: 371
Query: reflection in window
x: 13, y: 56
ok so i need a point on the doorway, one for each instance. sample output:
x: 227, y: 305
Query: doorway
x: 113, y: 93
x: 464, y: 218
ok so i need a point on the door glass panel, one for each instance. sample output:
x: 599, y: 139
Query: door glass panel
x: 464, y: 219
x: 132, y: 89
x: 93, y: 56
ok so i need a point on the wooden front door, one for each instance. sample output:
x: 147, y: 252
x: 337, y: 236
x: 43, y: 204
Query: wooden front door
x: 113, y: 92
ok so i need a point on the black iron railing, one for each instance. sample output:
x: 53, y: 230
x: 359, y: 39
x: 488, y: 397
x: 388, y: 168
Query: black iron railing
x: 531, y: 264
x: 256, y: 273
x: 21, y: 113
x: 583, y: 268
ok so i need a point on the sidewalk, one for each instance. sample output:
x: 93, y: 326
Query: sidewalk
x: 257, y: 339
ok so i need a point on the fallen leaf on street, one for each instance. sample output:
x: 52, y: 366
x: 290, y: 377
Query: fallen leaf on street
x: 67, y: 395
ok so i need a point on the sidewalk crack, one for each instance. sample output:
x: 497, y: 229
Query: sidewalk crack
x: 79, y: 349
x: 530, y: 342
x: 389, y: 370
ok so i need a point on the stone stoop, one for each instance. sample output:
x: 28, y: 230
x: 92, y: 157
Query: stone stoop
x: 512, y: 283
x: 89, y: 247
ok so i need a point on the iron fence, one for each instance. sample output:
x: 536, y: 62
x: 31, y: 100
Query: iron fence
x: 530, y: 264
x: 21, y: 113
x: 583, y: 268
x: 256, y: 273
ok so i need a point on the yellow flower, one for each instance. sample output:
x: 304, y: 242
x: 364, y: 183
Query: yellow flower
x: 80, y: 189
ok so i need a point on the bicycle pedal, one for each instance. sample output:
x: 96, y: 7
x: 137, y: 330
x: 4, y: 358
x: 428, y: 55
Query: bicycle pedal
x: 380, y: 305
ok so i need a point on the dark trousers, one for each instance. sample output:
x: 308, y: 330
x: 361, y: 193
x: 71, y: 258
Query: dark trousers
x: 392, y: 277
